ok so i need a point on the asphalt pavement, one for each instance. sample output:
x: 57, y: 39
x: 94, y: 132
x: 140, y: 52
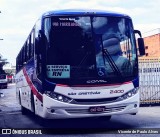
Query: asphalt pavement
x: 8, y: 102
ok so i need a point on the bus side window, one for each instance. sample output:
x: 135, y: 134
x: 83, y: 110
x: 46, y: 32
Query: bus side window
x: 27, y: 50
x: 23, y: 55
x: 32, y: 44
x: 38, y: 44
x: 21, y: 60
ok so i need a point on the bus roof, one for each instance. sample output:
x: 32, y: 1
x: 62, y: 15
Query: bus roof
x: 84, y: 12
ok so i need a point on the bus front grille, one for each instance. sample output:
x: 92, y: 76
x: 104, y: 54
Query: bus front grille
x: 94, y: 101
x: 86, y: 111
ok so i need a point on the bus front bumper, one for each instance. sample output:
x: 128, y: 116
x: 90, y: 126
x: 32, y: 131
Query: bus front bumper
x: 53, y: 109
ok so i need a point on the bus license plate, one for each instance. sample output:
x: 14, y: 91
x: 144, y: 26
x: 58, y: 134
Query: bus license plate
x: 97, y: 109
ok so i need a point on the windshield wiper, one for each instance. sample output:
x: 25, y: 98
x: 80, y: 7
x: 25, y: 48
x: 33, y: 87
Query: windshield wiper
x: 111, y: 62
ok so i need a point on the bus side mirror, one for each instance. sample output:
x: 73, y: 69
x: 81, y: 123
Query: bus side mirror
x: 141, y: 46
x: 140, y: 43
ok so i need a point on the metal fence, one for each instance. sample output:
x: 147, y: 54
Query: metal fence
x: 149, y: 70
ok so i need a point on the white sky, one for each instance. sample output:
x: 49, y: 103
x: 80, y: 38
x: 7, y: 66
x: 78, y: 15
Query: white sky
x: 17, y: 17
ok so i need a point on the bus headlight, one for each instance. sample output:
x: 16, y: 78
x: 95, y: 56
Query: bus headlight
x: 58, y: 97
x: 128, y: 94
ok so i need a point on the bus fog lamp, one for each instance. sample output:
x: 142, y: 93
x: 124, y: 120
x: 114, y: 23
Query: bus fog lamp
x: 52, y: 110
x: 135, y: 105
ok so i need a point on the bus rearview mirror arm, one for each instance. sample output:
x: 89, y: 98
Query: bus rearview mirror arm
x: 138, y: 32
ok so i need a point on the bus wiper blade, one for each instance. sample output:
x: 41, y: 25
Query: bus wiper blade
x: 111, y: 61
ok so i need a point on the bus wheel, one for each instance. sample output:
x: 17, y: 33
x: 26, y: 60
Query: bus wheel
x: 105, y: 118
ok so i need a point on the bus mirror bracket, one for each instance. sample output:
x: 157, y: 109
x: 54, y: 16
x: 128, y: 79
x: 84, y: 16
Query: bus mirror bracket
x: 138, y: 32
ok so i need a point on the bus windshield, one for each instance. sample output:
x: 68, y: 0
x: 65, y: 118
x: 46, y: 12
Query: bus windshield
x: 86, y: 48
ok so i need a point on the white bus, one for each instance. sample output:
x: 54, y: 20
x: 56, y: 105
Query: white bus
x: 78, y: 63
